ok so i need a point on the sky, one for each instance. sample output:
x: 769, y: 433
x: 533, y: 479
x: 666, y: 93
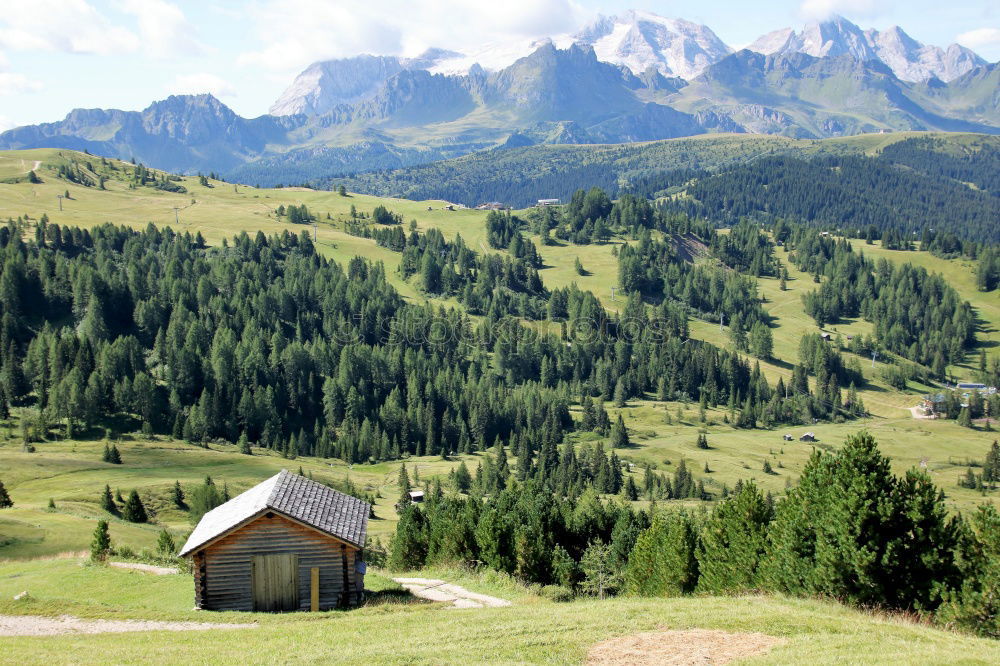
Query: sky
x: 57, y: 55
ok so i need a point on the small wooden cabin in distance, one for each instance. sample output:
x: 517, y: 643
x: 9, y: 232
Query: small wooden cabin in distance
x: 286, y: 544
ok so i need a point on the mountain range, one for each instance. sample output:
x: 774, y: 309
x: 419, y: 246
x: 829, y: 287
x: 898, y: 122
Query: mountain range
x: 627, y: 78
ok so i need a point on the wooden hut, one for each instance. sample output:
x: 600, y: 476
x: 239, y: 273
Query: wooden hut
x: 286, y: 544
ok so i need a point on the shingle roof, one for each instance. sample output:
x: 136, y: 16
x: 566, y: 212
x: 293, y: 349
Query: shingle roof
x: 323, y: 508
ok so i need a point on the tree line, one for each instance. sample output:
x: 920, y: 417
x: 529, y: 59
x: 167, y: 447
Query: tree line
x: 849, y: 530
x: 916, y: 314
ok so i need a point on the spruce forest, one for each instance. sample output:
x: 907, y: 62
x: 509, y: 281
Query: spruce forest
x: 626, y: 398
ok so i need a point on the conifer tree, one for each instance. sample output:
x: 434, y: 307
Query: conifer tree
x: 732, y: 543
x: 600, y: 575
x: 100, y: 546
x: 112, y: 455
x: 165, y: 544
x: 404, y: 487
x: 178, y: 496
x: 134, y: 511
x: 408, y: 549
x: 852, y: 531
x: 5, y: 501
x: 244, y: 444
x: 663, y: 562
x: 108, y: 501
x: 619, y: 434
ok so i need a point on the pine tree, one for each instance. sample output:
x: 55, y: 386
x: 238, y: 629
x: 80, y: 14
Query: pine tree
x: 408, y: 549
x: 101, y: 544
x: 244, y: 444
x: 702, y: 441
x: 663, y: 562
x: 975, y: 607
x: 619, y: 434
x: 108, y: 502
x: 404, y: 488
x: 630, y: 491
x: 178, y: 496
x: 111, y: 455
x: 165, y: 544
x: 134, y: 511
x: 601, y: 576
x: 732, y: 543
x: 853, y: 531
x: 5, y: 501
x: 462, y: 480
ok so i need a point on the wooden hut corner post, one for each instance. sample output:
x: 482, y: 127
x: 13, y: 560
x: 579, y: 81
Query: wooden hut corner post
x: 314, y: 589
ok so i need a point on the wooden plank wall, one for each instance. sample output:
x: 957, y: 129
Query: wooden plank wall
x: 222, y: 570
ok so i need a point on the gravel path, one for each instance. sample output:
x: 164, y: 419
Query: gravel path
x: 148, y: 568
x: 439, y: 590
x: 34, y: 625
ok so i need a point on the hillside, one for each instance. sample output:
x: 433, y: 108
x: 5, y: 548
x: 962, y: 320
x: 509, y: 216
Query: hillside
x: 939, y: 165
x: 222, y: 210
x: 300, y: 311
x: 532, y: 630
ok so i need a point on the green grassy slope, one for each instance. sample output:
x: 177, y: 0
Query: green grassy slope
x: 531, y: 631
x: 71, y: 474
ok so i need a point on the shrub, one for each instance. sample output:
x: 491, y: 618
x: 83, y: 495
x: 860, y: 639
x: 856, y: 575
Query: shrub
x: 558, y: 593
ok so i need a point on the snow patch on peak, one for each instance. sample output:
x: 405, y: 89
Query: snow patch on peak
x: 908, y: 59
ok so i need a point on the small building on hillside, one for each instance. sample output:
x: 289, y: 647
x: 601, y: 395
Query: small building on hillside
x: 288, y: 543
x: 808, y: 437
x: 548, y: 202
x: 416, y: 495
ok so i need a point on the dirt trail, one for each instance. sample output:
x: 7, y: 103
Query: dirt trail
x: 439, y: 590
x: 33, y: 625
x: 147, y: 568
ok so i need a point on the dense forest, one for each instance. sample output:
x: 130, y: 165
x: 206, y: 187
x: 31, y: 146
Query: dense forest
x: 845, y: 193
x: 916, y: 314
x: 849, y: 530
x: 949, y: 185
x: 263, y: 339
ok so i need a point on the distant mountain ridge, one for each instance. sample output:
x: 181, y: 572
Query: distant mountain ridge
x: 908, y: 59
x: 634, y: 77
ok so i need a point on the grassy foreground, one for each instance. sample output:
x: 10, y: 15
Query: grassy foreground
x: 533, y: 630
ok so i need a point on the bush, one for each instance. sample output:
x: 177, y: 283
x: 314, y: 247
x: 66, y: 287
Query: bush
x: 558, y: 593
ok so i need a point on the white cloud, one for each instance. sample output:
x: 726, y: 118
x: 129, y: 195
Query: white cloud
x: 12, y: 84
x: 76, y: 26
x: 6, y: 124
x: 979, y: 38
x: 818, y: 10
x: 73, y: 26
x: 162, y: 27
x: 201, y: 82
x: 295, y: 33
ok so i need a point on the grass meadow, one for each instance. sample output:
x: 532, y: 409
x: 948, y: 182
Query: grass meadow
x: 40, y: 546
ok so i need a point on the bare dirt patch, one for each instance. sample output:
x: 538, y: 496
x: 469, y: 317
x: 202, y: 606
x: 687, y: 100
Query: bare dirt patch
x: 693, y: 646
x: 33, y: 625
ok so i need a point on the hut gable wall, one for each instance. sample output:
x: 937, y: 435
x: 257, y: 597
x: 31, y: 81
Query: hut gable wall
x: 223, y: 568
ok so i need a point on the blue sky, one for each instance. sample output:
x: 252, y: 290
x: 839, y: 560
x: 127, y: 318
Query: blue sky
x: 56, y: 55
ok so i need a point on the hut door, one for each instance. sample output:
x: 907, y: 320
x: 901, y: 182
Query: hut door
x: 275, y: 581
